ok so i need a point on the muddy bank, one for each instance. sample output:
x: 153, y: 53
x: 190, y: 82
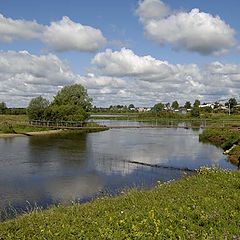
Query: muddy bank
x: 40, y: 133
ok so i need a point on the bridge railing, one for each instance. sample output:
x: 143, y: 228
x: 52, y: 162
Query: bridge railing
x: 56, y: 123
x: 191, y: 123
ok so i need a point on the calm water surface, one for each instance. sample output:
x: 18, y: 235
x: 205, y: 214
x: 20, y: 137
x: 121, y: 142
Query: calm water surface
x: 53, y: 169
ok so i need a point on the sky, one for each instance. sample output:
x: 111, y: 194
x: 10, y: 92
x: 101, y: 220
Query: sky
x: 124, y: 52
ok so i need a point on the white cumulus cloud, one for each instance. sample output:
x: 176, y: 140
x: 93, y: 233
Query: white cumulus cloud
x: 194, y: 31
x: 150, y: 80
x: 126, y: 63
x: 11, y: 29
x: 141, y: 80
x: 24, y: 76
x: 66, y: 35
x: 63, y: 35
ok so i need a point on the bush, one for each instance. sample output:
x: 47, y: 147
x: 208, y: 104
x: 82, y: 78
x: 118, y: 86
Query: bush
x: 7, y: 128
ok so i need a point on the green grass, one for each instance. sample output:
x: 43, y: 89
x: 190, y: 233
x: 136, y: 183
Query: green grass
x: 19, y: 124
x: 226, y: 138
x: 13, y: 119
x: 20, y: 128
x: 222, y: 137
x: 16, y: 124
x: 203, y: 206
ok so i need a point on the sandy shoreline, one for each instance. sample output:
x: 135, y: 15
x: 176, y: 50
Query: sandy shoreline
x: 9, y: 135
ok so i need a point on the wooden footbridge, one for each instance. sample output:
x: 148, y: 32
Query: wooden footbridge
x: 113, y: 126
x: 125, y: 124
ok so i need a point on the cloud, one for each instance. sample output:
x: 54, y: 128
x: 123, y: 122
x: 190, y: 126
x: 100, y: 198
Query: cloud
x: 66, y: 35
x: 24, y: 76
x: 126, y: 63
x: 18, y: 29
x: 152, y: 9
x: 141, y: 80
x: 192, y: 31
x: 63, y: 35
x: 150, y: 80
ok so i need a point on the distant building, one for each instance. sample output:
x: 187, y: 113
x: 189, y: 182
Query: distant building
x: 211, y: 105
x: 143, y: 109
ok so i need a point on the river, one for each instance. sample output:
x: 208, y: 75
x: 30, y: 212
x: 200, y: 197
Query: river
x: 44, y: 170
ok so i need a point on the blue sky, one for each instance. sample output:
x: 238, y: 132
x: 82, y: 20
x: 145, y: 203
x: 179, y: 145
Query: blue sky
x: 195, y: 61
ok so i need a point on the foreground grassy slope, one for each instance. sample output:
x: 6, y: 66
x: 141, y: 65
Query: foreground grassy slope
x: 203, y: 206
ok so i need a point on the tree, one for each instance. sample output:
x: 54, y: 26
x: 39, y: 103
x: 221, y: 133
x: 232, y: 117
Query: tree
x: 158, y: 107
x: 232, y: 102
x: 36, y: 108
x: 167, y: 105
x: 196, y: 103
x: 3, y: 107
x: 65, y: 113
x: 195, y: 112
x: 187, y: 105
x: 70, y: 104
x: 175, y: 105
x: 131, y: 106
x: 73, y: 95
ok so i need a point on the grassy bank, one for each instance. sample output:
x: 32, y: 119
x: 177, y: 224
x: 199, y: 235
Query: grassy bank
x: 18, y: 124
x: 226, y: 138
x: 203, y: 206
x: 19, y: 128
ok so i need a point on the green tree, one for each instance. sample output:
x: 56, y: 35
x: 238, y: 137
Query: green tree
x: 196, y: 103
x: 195, y: 112
x: 70, y: 104
x: 73, y: 95
x: 187, y: 105
x: 232, y: 102
x: 131, y: 106
x: 36, y: 108
x: 158, y: 107
x: 3, y: 107
x: 167, y: 105
x: 65, y: 113
x: 175, y: 105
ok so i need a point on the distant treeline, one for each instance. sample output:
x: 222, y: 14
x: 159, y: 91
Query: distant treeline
x: 11, y: 111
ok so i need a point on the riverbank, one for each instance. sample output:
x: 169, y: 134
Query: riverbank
x: 203, y: 206
x: 226, y: 138
x: 52, y: 132
x: 39, y: 133
x: 17, y: 125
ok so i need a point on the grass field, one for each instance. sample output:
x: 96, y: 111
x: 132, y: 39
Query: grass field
x: 203, y: 206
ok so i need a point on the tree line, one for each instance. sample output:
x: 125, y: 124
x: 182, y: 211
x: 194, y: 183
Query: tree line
x: 72, y: 103
x: 11, y: 111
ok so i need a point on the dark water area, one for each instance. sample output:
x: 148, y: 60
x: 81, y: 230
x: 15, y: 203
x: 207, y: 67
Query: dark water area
x: 44, y: 170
